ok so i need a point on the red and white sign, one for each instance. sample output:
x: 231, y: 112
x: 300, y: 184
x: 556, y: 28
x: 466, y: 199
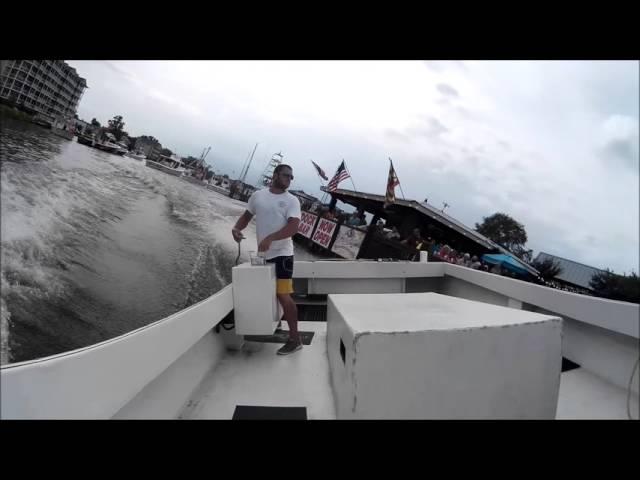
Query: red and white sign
x: 307, y: 221
x: 324, y: 232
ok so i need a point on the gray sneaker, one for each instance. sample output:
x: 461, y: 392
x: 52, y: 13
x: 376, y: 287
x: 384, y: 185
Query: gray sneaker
x: 290, y: 347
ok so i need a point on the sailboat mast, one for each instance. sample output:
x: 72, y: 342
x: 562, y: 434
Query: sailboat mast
x: 249, y: 164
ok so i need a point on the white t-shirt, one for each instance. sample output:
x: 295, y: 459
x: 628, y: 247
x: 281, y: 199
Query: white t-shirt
x: 272, y: 212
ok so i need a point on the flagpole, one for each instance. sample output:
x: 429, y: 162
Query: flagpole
x: 324, y: 194
x: 350, y: 177
x: 399, y: 184
x: 318, y: 173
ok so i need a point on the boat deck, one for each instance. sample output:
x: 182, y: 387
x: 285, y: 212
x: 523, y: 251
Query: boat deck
x: 584, y: 395
x: 257, y: 377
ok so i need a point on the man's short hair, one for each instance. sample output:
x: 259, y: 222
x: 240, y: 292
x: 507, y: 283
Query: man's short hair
x: 280, y: 167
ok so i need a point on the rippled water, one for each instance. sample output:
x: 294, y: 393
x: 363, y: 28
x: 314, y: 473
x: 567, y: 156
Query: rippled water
x: 95, y: 245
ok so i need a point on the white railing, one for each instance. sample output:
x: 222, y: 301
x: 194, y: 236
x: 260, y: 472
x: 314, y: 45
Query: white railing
x: 620, y: 317
x: 124, y: 376
x: 600, y: 335
x: 99, y: 380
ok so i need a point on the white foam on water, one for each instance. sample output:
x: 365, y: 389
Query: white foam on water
x: 5, y: 316
x: 56, y: 208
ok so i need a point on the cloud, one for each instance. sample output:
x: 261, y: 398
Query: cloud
x: 121, y: 71
x: 447, y: 90
x: 396, y: 135
x: 622, y: 149
x: 515, y: 166
x: 429, y: 128
x: 432, y: 129
x: 619, y: 142
x: 444, y: 65
x: 550, y: 143
x: 504, y: 145
x: 173, y: 102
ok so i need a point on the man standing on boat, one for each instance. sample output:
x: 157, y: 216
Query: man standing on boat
x: 277, y: 217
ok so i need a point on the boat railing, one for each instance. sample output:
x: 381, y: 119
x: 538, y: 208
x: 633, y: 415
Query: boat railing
x: 159, y: 365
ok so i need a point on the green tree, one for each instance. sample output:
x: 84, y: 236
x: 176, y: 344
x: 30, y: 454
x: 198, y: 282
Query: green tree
x: 505, y: 231
x: 616, y: 287
x: 523, y: 253
x: 166, y: 152
x: 95, y: 123
x: 116, y: 127
x: 150, y: 140
x: 548, y: 268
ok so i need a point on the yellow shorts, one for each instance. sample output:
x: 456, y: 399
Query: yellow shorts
x: 284, y: 274
x: 284, y: 285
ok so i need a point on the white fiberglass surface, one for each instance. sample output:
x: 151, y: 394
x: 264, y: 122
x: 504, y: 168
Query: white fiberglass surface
x: 257, y: 376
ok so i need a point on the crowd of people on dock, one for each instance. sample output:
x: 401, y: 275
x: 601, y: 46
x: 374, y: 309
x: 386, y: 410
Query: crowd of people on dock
x: 438, y: 250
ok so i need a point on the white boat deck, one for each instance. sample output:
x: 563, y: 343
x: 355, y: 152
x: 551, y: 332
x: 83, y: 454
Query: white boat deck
x: 585, y: 396
x: 257, y: 376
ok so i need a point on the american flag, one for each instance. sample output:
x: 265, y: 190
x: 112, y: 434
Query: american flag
x: 340, y: 175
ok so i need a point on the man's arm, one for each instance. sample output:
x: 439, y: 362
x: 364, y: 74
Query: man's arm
x: 240, y: 225
x: 289, y: 230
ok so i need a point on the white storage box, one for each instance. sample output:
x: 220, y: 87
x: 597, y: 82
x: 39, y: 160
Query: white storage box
x: 256, y: 307
x: 431, y: 356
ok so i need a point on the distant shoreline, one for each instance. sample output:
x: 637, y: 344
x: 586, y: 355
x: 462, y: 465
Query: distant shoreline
x: 14, y: 113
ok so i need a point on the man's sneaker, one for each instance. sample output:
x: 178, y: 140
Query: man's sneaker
x: 290, y: 347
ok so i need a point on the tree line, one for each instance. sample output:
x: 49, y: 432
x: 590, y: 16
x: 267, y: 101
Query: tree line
x: 115, y: 126
x: 510, y: 234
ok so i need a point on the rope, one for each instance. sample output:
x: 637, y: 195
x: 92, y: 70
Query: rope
x: 233, y: 325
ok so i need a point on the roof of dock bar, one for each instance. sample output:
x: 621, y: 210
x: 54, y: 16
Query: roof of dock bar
x: 376, y: 203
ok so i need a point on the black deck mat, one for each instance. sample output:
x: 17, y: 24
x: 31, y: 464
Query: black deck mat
x: 251, y: 412
x: 280, y: 336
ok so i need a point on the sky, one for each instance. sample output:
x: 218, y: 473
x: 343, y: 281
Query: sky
x: 553, y: 144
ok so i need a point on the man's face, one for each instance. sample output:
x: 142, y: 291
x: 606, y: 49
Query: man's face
x: 283, y: 178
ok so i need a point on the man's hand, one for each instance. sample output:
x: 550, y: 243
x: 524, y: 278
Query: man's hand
x: 237, y: 235
x: 265, y: 244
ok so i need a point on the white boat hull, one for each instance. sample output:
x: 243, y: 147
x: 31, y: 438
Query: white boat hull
x: 163, y: 168
x: 108, y: 380
x: 219, y: 190
x: 136, y: 156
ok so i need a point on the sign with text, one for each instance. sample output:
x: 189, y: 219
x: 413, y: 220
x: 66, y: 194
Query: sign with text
x: 348, y: 242
x: 324, y: 232
x: 307, y: 222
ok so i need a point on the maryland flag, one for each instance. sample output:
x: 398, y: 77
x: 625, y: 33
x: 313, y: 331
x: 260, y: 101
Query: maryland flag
x: 319, y: 170
x: 392, y: 182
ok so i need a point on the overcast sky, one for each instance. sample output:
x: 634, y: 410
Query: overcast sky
x: 553, y: 144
